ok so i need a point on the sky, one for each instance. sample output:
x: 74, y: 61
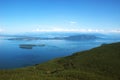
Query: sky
x: 19, y: 16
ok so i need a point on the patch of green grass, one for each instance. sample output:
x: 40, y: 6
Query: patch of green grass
x: 101, y: 63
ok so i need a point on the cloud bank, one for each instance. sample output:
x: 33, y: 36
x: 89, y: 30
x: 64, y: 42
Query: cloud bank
x: 76, y: 30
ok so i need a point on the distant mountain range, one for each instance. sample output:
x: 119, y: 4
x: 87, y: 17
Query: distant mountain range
x: 49, y: 34
x: 73, y: 38
x: 81, y: 37
x: 60, y: 36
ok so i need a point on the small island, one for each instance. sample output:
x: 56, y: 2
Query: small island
x: 30, y: 46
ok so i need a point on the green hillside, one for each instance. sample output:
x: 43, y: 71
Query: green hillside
x: 101, y: 63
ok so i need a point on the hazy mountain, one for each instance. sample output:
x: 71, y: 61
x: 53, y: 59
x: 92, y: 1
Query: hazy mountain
x: 82, y: 37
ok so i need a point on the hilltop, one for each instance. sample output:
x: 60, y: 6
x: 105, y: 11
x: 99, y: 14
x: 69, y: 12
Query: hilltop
x: 101, y: 63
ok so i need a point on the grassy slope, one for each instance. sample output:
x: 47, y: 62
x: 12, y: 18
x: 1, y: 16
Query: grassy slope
x: 102, y: 63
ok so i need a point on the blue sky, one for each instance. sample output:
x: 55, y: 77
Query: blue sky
x: 18, y: 16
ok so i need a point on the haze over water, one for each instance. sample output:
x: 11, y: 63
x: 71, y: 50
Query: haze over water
x: 12, y: 56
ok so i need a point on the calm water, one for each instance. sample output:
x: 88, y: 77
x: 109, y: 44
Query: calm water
x: 11, y: 56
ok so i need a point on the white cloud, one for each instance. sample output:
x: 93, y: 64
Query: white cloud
x: 1, y: 30
x: 73, y: 22
x: 116, y: 31
x: 57, y: 29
